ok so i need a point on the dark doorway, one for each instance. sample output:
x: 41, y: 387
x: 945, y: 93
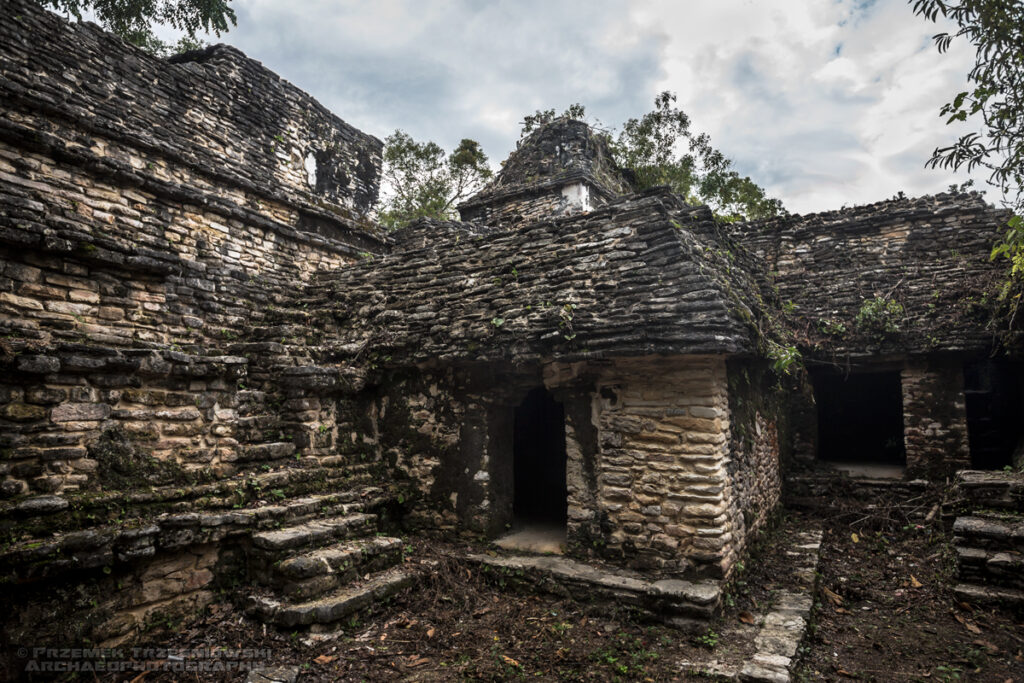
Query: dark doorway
x: 992, y: 393
x: 539, y: 460
x: 860, y: 418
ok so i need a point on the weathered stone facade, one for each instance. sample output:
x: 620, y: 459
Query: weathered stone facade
x: 218, y: 370
x: 905, y: 286
x: 153, y: 215
x: 934, y: 418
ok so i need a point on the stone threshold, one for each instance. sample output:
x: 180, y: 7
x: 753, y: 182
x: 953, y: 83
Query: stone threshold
x: 685, y: 604
x: 781, y: 627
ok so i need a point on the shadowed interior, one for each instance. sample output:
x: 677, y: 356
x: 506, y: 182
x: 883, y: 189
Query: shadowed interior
x: 539, y: 460
x: 860, y: 418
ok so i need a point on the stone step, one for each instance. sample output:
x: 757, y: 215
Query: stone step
x: 332, y: 608
x: 291, y: 511
x: 312, y: 574
x: 990, y: 595
x: 995, y: 567
x: 316, y: 532
x: 682, y: 603
x: 1003, y: 532
x: 983, y: 489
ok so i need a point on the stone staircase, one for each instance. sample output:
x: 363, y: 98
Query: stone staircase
x: 319, y: 571
x: 988, y: 536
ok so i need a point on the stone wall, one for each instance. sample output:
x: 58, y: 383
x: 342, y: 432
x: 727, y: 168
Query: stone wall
x: 658, y: 475
x: 215, y: 113
x: 535, y: 203
x: 562, y: 167
x: 155, y: 218
x: 934, y: 417
x: 628, y: 279
x: 762, y: 435
x: 662, y: 468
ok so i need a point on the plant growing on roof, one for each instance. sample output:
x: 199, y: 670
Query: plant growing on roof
x: 880, y: 315
x: 659, y: 148
x: 784, y: 358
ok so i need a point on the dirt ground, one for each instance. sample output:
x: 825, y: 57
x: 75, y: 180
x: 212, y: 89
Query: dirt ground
x: 884, y: 612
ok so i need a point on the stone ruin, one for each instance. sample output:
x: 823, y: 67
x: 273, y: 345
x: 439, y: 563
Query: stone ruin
x: 219, y: 370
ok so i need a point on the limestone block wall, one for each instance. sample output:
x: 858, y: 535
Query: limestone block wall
x: 433, y: 436
x: 152, y: 217
x: 147, y: 316
x: 108, y: 608
x: 662, y: 468
x: 929, y: 255
x: 658, y: 473
x: 216, y: 113
x: 155, y: 218
x: 764, y: 432
x: 934, y: 417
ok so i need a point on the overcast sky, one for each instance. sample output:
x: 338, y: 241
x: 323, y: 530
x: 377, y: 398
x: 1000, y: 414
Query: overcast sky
x: 823, y: 102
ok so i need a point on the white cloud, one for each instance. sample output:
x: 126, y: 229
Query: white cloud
x: 823, y: 103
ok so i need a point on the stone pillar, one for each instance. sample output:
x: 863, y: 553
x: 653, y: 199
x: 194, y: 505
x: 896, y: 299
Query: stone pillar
x: 934, y: 418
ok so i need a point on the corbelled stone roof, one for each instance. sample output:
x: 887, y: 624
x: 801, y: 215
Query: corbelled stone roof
x: 929, y: 256
x: 641, y: 275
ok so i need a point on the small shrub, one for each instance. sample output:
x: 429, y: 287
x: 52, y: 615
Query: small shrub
x: 880, y: 315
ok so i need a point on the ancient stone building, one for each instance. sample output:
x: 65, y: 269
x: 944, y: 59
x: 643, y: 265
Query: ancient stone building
x: 217, y: 370
x: 893, y: 305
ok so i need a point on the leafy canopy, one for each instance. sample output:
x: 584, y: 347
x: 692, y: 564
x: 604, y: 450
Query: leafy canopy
x: 132, y: 20
x: 995, y: 95
x: 421, y: 182
x: 994, y: 101
x: 660, y: 149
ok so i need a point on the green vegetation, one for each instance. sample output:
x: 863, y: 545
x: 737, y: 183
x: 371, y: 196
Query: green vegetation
x: 659, y: 148
x: 880, y: 315
x: 785, y: 359
x: 656, y: 149
x: 423, y: 182
x: 994, y: 102
x: 132, y: 20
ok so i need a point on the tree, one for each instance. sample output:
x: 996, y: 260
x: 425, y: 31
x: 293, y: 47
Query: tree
x: 132, y: 20
x: 994, y: 101
x: 660, y: 149
x: 421, y: 182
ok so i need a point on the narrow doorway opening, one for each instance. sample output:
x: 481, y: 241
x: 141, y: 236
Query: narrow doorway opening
x: 538, y: 452
x: 860, y: 421
x: 992, y: 393
x: 539, y: 497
